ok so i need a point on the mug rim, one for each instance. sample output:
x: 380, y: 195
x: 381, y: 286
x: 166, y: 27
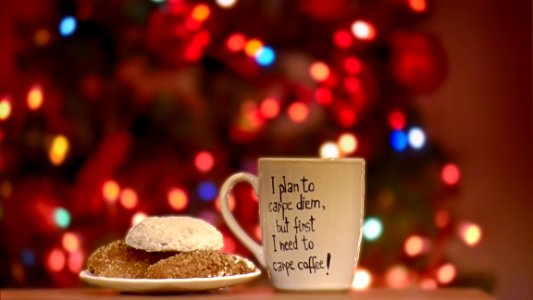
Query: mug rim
x: 312, y: 159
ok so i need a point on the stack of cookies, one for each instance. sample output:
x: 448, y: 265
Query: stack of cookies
x: 168, y: 247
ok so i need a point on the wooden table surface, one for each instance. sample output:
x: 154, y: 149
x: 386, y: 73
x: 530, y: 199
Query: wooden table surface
x: 256, y: 293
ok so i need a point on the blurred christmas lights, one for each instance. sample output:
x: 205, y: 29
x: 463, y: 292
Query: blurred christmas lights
x: 41, y: 37
x: 397, y: 276
x: 323, y: 96
x: 446, y: 273
x: 27, y: 257
x: 416, y: 137
x: 398, y: 140
x: 372, y: 229
x: 265, y: 56
x: 226, y: 3
x: 418, y: 6
x: 204, y: 161
x: 207, y: 191
x: 252, y: 46
x: 442, y: 218
x: 347, y: 143
x: 70, y: 241
x: 128, y: 198
x: 414, y: 245
x: 34, y: 99
x: 56, y: 260
x: 298, y: 112
x: 137, y: 218
x: 362, y: 279
x: 110, y: 191
x: 58, y: 149
x: 67, y: 26
x: 363, y: 30
x: 342, y: 38
x: 470, y: 233
x: 428, y: 283
x: 200, y: 12
x: 62, y: 217
x: 5, y: 108
x: 329, y: 150
x: 177, y: 199
x: 236, y: 42
x: 352, y: 65
x: 257, y: 232
x: 269, y: 108
x: 231, y: 202
x: 76, y: 261
x: 396, y: 119
x: 319, y: 71
x: 450, y: 174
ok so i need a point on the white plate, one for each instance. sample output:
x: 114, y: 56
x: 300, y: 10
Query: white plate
x: 167, y: 285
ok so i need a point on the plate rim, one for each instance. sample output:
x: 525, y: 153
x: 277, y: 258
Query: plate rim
x: 85, y: 274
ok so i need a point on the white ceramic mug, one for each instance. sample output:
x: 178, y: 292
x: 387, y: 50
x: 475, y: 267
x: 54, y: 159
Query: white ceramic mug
x: 311, y: 216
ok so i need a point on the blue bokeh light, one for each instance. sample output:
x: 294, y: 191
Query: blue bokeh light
x: 67, y: 25
x: 398, y: 140
x: 265, y: 56
x: 372, y: 228
x: 27, y: 257
x: 207, y: 191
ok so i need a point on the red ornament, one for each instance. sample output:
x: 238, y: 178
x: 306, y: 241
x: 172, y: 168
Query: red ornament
x: 418, y: 61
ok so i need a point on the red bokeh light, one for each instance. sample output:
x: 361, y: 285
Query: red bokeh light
x: 342, y: 38
x: 269, y: 108
x: 323, y: 96
x: 450, y: 174
x: 204, y: 161
x: 352, y: 84
x: 346, y: 117
x: 396, y: 119
x: 298, y: 112
x: 418, y: 6
x: 236, y: 42
x: 352, y: 65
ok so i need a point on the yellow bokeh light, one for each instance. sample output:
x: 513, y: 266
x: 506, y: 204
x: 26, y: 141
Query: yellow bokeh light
x: 70, y: 241
x: 319, y: 71
x: 329, y: 150
x: 252, y: 47
x: 361, y: 279
x: 177, y: 198
x: 414, y: 245
x: 110, y: 191
x: 201, y: 12
x: 58, y: 150
x: 5, y: 108
x: 137, y: 218
x: 347, y: 143
x: 446, y: 273
x: 397, y: 276
x: 128, y: 198
x: 35, y: 97
x: 470, y: 233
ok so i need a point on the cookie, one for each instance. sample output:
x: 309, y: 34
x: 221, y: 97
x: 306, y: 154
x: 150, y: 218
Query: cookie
x: 117, y: 259
x: 174, y: 233
x: 199, y: 264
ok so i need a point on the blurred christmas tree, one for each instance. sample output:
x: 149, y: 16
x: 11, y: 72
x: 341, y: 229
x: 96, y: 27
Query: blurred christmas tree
x: 112, y: 111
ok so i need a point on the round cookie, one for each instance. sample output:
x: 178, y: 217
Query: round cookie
x: 174, y: 233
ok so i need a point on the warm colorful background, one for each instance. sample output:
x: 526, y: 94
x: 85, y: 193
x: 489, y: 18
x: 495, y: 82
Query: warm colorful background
x: 111, y: 111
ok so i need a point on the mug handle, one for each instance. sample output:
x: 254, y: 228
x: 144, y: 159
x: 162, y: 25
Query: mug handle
x: 228, y: 217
